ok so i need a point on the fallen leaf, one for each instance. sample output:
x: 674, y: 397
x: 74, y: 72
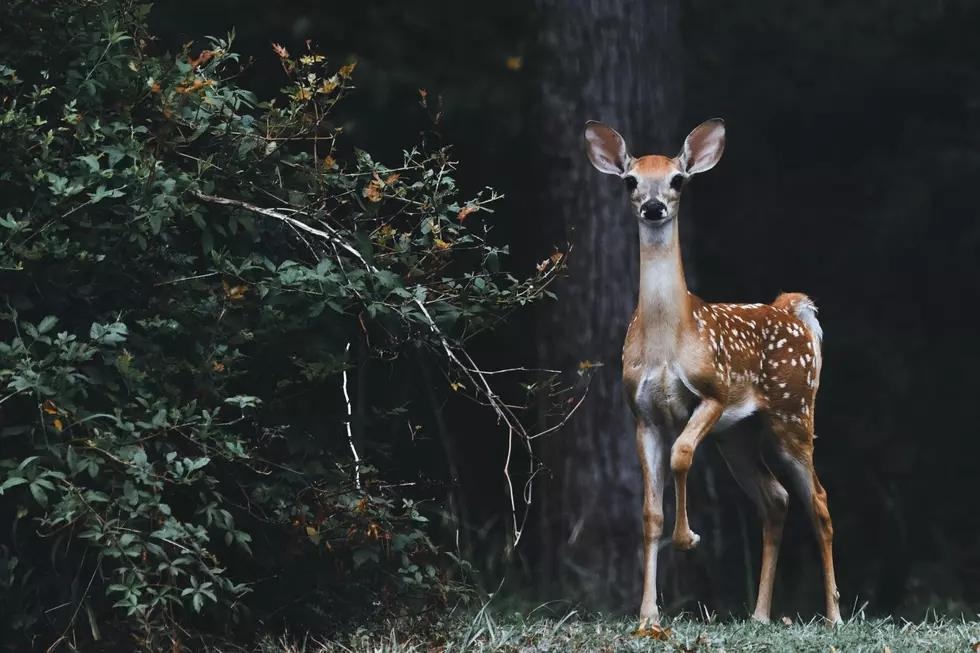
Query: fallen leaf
x: 466, y: 210
x: 281, y: 51
x: 655, y: 632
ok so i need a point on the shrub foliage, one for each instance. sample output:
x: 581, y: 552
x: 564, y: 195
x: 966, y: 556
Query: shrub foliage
x: 211, y: 305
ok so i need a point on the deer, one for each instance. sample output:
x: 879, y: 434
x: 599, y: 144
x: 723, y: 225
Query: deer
x: 693, y: 368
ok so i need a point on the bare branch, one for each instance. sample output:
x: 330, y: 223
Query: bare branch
x: 329, y: 235
x: 350, y: 435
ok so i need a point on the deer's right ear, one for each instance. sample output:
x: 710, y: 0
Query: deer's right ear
x: 606, y: 148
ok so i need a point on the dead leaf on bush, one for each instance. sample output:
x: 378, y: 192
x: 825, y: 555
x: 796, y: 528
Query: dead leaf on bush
x: 465, y: 211
x: 373, y: 190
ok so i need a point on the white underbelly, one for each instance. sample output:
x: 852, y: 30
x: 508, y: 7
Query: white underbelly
x: 736, y: 412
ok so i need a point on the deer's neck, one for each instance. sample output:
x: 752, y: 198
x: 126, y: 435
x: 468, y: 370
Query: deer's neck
x: 664, y: 308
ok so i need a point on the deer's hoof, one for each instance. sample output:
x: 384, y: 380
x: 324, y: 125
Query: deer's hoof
x: 686, y: 541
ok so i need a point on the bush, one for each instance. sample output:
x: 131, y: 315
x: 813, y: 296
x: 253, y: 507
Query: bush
x: 212, y: 305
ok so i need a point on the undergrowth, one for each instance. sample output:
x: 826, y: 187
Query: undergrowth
x: 487, y: 632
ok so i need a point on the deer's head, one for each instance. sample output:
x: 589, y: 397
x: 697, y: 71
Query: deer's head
x: 655, y: 182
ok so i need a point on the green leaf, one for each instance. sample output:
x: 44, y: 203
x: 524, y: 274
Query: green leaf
x: 47, y: 324
x: 363, y: 554
x: 39, y: 495
x: 109, y: 334
x: 13, y: 481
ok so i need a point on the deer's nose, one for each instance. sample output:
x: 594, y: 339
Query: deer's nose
x: 653, y: 210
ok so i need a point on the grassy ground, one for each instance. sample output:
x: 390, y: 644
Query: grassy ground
x: 486, y: 633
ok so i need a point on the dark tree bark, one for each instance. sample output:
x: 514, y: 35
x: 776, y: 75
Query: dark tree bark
x: 616, y: 61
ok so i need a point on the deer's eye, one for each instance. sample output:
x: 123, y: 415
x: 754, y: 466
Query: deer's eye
x: 677, y: 182
x: 630, y: 183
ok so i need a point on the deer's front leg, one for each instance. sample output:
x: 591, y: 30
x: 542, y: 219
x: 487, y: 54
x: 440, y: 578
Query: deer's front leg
x: 653, y: 460
x: 681, y: 454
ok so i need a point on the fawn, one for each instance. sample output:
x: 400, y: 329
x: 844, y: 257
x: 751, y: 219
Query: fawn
x: 691, y: 368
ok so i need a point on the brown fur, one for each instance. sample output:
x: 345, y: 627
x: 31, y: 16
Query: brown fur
x: 654, y: 166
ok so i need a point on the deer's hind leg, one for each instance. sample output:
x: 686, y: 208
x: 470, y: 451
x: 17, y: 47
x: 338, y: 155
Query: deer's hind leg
x: 794, y: 439
x: 742, y: 451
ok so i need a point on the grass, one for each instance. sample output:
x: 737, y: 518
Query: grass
x: 516, y: 633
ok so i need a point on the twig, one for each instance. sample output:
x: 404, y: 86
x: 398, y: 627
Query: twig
x: 330, y: 235
x: 350, y: 435
x: 476, y: 377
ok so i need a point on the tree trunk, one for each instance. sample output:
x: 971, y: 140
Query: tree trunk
x: 614, y: 61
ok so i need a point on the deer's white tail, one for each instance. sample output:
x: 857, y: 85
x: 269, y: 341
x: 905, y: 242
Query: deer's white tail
x: 803, y: 308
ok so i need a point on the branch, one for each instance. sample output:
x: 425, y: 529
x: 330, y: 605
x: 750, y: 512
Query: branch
x: 350, y: 435
x: 330, y: 235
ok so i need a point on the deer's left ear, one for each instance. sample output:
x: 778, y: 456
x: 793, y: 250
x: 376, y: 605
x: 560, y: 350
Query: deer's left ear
x: 703, y: 147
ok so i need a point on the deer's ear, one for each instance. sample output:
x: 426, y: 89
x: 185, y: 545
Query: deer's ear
x: 703, y: 147
x: 606, y: 148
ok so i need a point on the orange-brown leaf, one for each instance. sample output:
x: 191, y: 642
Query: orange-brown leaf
x: 514, y: 63
x: 392, y: 179
x: 348, y: 70
x: 655, y: 632
x: 466, y: 210
x: 234, y: 292
x: 49, y: 407
x: 218, y: 367
x: 281, y: 51
x: 57, y: 425
x: 204, y: 57
x: 373, y: 191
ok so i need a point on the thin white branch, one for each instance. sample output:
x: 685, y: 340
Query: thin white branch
x: 329, y: 235
x: 350, y: 434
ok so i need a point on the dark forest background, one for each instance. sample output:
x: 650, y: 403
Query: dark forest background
x: 849, y: 174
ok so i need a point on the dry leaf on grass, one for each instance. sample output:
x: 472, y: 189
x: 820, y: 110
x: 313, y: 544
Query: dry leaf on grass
x: 655, y: 632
